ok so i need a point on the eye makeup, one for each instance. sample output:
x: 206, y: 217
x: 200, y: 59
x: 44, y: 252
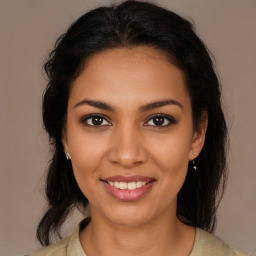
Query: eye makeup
x: 97, y: 120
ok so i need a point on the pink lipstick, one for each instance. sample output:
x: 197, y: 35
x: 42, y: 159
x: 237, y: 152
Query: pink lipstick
x: 128, y: 188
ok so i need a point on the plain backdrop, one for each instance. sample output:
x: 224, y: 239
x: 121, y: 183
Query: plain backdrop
x: 28, y: 30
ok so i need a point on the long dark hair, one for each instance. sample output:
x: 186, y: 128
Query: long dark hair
x: 130, y: 24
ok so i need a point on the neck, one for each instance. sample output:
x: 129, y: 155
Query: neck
x: 162, y: 236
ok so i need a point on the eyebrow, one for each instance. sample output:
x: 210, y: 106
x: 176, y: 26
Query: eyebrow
x: 144, y: 108
x: 158, y: 104
x: 96, y: 104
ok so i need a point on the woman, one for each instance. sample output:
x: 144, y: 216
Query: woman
x: 133, y: 112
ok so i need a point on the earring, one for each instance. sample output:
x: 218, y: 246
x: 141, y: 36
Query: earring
x: 193, y: 162
x: 68, y: 156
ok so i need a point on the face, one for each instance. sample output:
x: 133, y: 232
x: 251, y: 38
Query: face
x: 130, y: 135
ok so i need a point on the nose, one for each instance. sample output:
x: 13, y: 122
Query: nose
x: 127, y: 148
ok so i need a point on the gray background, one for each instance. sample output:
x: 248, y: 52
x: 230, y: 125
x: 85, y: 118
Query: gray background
x: 28, y: 30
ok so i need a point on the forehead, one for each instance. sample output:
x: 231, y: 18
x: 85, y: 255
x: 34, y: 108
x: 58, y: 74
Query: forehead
x: 130, y: 76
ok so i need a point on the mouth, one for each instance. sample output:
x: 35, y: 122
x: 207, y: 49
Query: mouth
x: 127, y: 185
x: 128, y: 188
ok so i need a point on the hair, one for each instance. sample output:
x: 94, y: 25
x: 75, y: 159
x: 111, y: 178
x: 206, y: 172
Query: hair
x: 126, y: 25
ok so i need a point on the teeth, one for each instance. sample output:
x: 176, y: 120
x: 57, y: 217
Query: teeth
x: 132, y: 185
x: 123, y: 185
x: 116, y: 184
x: 127, y: 185
x: 139, y: 184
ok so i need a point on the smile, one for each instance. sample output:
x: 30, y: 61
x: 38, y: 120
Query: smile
x: 127, y: 185
x: 128, y: 188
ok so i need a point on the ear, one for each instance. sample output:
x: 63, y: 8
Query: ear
x: 64, y: 141
x: 198, y: 139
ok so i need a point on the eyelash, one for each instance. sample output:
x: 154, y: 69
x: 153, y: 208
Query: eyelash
x: 170, y: 120
x: 86, y: 118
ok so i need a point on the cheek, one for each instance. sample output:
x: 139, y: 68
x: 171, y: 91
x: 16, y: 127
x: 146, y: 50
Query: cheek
x: 86, y: 161
x: 174, y: 169
x: 86, y: 154
x: 172, y: 157
x: 172, y: 176
x: 85, y: 166
x: 85, y: 148
x: 173, y: 152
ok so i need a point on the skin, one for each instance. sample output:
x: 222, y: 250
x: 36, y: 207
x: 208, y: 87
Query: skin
x: 129, y: 142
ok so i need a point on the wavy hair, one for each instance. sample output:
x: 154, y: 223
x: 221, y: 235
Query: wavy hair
x: 131, y: 24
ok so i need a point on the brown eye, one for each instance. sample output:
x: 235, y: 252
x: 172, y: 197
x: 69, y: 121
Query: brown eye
x: 158, y: 120
x: 95, y: 120
x: 161, y: 121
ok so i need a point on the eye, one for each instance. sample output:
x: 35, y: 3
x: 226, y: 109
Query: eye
x: 95, y: 120
x: 161, y: 120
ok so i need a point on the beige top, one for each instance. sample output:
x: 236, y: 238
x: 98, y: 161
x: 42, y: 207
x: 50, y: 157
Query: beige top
x: 205, y: 244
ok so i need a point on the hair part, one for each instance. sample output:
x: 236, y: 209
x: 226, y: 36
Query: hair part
x: 132, y: 24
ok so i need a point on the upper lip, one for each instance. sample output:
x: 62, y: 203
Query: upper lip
x: 133, y: 178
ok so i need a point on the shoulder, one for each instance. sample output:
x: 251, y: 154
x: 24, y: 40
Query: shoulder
x: 209, y: 244
x: 68, y: 246
x: 56, y: 249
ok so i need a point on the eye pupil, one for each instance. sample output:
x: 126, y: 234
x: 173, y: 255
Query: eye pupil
x: 158, y: 120
x: 97, y: 120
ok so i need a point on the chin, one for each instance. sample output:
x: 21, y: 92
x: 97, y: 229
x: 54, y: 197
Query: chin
x: 129, y: 216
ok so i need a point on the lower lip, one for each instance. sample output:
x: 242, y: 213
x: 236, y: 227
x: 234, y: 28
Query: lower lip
x: 126, y: 194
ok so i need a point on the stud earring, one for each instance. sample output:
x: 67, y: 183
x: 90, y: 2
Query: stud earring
x: 193, y: 162
x: 68, y: 156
